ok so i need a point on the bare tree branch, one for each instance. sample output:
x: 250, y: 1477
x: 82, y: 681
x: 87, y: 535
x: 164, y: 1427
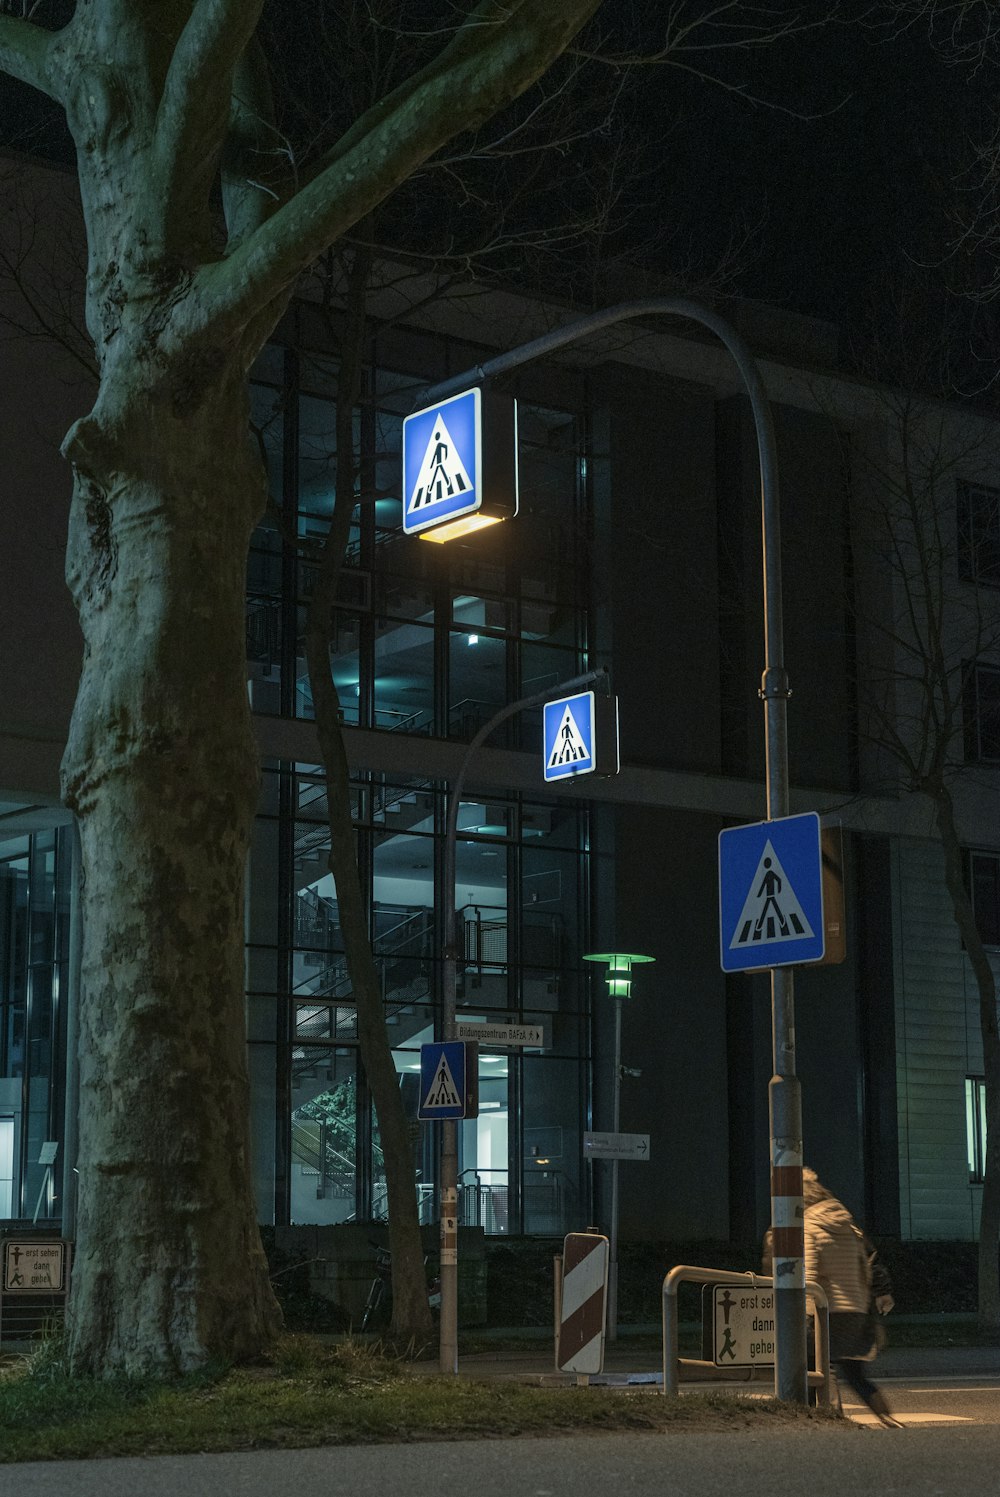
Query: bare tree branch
x: 26, y: 53
x: 496, y: 54
x: 195, y: 106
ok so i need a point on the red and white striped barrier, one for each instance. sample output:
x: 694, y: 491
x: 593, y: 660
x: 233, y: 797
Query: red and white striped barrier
x: 583, y: 1305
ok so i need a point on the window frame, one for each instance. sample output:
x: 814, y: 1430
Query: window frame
x: 991, y: 937
x: 973, y: 543
x: 974, y: 671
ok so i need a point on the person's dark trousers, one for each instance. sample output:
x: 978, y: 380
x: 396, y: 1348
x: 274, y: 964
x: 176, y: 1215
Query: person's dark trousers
x: 853, y: 1372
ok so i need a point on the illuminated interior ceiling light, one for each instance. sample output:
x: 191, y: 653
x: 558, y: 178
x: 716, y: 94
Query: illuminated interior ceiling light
x: 456, y: 528
x: 472, y: 639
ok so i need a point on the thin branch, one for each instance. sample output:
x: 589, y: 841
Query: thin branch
x: 499, y: 52
x: 195, y: 106
x: 26, y: 53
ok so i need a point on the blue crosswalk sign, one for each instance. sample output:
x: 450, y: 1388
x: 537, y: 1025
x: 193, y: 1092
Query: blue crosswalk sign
x: 771, y: 894
x: 443, y: 462
x: 448, y: 1080
x: 568, y: 736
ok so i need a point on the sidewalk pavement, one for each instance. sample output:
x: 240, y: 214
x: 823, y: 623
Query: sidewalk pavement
x: 536, y: 1364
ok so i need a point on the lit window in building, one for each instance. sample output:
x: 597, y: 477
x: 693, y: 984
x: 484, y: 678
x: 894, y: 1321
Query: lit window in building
x: 975, y: 1127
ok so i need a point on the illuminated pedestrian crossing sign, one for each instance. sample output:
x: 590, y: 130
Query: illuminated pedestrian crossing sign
x: 459, y: 464
x: 771, y: 894
x: 580, y: 736
x: 449, y: 1080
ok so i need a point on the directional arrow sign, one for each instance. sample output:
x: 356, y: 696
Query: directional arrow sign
x: 616, y: 1146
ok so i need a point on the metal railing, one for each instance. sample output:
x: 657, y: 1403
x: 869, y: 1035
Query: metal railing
x: 820, y: 1378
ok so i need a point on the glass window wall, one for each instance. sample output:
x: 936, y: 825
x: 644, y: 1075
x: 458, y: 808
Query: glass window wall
x: 425, y: 641
x: 35, y: 875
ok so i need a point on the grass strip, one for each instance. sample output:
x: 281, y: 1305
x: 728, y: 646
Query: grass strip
x: 311, y: 1395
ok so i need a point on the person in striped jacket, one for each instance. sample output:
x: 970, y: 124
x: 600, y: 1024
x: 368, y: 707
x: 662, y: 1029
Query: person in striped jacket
x: 840, y: 1260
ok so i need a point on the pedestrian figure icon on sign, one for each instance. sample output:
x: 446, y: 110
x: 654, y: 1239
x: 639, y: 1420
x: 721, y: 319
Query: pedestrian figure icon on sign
x: 771, y: 912
x: 442, y: 1092
x: 442, y: 474
x: 569, y: 747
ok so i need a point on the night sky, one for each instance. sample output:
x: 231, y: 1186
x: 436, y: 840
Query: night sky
x: 835, y: 202
x: 839, y: 200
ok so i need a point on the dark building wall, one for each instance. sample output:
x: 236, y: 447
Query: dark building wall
x: 674, y: 1026
x: 42, y: 646
x: 678, y: 565
x: 818, y: 647
x: 877, y: 1019
x: 829, y: 1030
x: 656, y: 543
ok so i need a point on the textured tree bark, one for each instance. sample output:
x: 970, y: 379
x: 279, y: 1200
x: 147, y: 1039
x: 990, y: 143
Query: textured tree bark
x: 161, y: 771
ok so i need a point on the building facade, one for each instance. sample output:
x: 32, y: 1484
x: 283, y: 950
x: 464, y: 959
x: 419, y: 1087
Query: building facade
x: 637, y: 546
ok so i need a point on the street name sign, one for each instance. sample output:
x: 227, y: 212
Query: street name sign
x: 771, y: 894
x: 449, y: 1081
x: 616, y: 1146
x: 742, y: 1327
x: 580, y: 736
x: 530, y: 1036
x: 460, y: 462
x: 35, y: 1267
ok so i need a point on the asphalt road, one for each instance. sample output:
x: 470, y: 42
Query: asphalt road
x: 935, y: 1400
x: 949, y: 1403
x: 917, y: 1462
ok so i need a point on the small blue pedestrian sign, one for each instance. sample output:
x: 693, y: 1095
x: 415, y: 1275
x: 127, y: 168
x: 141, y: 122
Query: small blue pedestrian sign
x: 569, y: 736
x: 449, y: 1077
x: 580, y: 736
x: 771, y: 894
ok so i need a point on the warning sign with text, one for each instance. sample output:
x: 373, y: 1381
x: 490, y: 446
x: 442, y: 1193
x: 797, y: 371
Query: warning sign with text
x: 742, y: 1326
x: 34, y: 1267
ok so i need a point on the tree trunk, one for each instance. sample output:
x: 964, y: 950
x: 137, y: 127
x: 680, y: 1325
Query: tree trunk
x: 161, y: 771
x: 989, y: 1220
x: 411, y: 1317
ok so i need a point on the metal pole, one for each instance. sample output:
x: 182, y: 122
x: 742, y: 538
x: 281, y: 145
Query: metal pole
x: 784, y: 1090
x: 448, y: 1185
x: 612, y: 1331
x: 784, y: 1094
